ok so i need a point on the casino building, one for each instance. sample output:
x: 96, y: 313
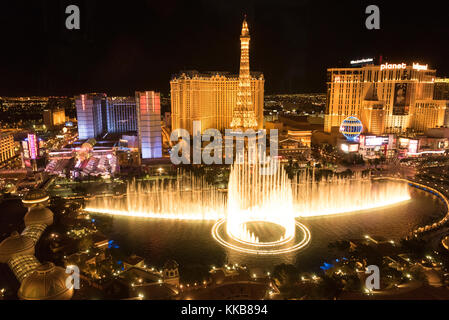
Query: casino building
x: 219, y: 99
x: 38, y: 281
x: 121, y: 114
x: 387, y: 98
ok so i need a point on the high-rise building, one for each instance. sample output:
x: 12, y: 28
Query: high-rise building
x: 33, y: 155
x: 6, y: 146
x: 428, y: 114
x: 244, y: 116
x: 149, y: 124
x: 91, y: 115
x: 121, y: 114
x: 54, y: 117
x: 441, y: 92
x: 390, y: 98
x: 212, y: 97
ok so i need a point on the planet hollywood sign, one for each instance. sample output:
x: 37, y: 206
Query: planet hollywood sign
x: 391, y: 66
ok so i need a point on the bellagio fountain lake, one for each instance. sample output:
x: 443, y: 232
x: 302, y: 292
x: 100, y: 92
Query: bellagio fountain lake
x: 260, y: 219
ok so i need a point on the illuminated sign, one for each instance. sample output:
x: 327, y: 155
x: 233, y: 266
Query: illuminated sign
x: 389, y: 66
x: 337, y: 79
x: 374, y: 141
x: 419, y: 67
x: 353, y: 147
x: 362, y: 140
x: 362, y: 61
x: 26, y: 154
x: 83, y: 101
x: 403, y: 142
x: 413, y: 146
x: 32, y: 145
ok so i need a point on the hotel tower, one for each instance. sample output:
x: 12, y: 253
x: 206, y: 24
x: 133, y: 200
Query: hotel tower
x: 218, y: 99
x: 91, y: 115
x: 387, y: 98
x: 149, y: 124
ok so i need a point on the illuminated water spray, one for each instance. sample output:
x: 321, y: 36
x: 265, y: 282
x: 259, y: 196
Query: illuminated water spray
x: 254, y: 197
x: 271, y: 202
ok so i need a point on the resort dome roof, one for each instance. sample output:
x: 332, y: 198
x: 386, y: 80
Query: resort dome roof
x: 47, y: 282
x: 35, y: 197
x: 15, y: 244
x: 38, y: 215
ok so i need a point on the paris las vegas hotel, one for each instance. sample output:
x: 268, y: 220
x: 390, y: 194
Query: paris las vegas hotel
x: 210, y: 97
x: 387, y: 98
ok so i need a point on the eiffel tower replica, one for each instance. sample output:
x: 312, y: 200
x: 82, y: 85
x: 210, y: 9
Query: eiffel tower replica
x: 244, y: 116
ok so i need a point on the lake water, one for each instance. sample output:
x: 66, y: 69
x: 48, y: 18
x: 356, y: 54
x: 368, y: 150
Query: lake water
x: 191, y: 243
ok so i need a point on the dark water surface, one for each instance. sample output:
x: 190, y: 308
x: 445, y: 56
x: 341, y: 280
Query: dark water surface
x: 191, y: 243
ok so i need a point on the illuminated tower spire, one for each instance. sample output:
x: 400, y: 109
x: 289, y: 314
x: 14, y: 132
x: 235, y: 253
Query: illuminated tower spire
x: 244, y: 116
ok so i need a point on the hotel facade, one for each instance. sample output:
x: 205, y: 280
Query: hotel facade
x: 54, y: 118
x: 387, y: 98
x: 91, y: 115
x: 121, y: 114
x: 149, y: 124
x: 6, y: 146
x: 210, y: 98
x: 218, y: 99
x: 99, y: 115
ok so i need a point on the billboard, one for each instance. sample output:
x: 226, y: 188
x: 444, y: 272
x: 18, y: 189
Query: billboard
x: 413, y: 146
x: 353, y: 147
x: 26, y: 152
x: 33, y: 146
x: 400, y: 105
x: 347, y: 148
x: 373, y: 141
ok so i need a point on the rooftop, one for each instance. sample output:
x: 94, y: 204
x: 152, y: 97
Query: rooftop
x: 35, y: 196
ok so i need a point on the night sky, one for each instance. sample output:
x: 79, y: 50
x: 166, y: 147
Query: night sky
x: 125, y: 46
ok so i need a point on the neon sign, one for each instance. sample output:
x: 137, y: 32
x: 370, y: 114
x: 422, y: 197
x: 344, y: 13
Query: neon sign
x: 374, y: 141
x: 32, y: 146
x: 419, y: 67
x: 362, y: 61
x: 413, y: 146
x: 390, y: 66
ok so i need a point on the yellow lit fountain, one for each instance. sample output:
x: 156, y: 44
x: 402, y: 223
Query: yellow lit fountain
x: 253, y: 198
x: 264, y: 198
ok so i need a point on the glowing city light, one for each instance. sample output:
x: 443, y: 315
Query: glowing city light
x: 253, y: 198
x: 366, y: 60
x: 351, y: 128
x: 269, y: 199
x: 390, y: 66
